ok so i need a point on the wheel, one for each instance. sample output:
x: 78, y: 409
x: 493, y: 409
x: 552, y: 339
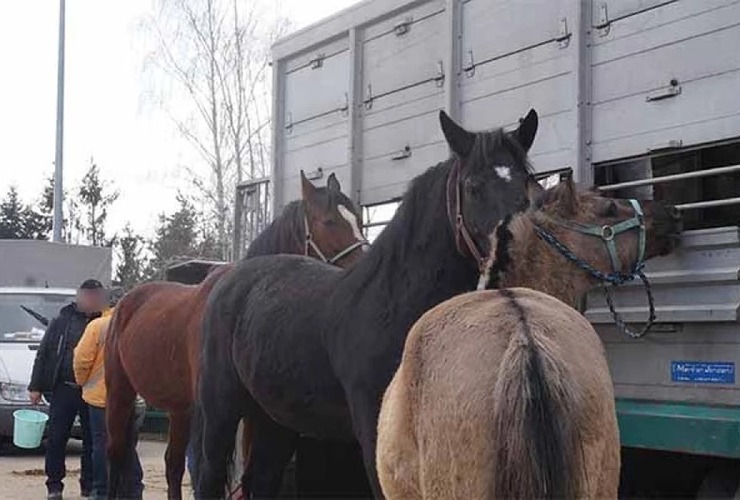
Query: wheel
x: 722, y: 481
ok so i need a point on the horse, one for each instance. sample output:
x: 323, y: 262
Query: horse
x: 154, y: 342
x: 302, y: 347
x: 506, y: 393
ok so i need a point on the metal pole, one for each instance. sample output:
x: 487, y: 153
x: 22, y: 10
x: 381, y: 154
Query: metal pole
x: 58, y: 166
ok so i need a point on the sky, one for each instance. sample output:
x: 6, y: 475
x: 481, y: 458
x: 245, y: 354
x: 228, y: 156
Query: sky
x: 109, y: 117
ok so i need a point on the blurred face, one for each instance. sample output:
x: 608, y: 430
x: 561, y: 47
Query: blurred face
x: 91, y: 301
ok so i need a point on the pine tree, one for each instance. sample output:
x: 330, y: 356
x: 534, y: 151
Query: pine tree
x: 12, y: 223
x: 132, y: 263
x: 95, y: 198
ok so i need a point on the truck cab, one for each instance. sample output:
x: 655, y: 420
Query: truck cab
x: 24, y: 314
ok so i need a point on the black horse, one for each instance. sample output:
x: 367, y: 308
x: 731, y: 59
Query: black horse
x: 302, y: 347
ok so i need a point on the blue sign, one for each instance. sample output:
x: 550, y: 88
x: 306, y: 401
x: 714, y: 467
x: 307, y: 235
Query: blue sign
x: 703, y: 372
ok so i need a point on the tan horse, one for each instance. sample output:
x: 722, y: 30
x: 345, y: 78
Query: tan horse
x: 507, y: 394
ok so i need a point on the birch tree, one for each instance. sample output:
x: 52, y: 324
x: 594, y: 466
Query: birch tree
x: 216, y: 55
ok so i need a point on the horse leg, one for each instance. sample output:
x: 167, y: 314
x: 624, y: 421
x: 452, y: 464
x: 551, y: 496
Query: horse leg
x: 118, y: 414
x: 174, y: 457
x: 365, y: 421
x: 272, y: 447
x: 215, y: 419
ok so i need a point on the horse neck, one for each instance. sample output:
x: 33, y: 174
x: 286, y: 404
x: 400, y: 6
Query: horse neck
x: 536, y: 265
x: 414, y: 264
x: 284, y: 235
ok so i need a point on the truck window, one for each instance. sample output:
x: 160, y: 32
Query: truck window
x: 704, y: 183
x: 20, y: 325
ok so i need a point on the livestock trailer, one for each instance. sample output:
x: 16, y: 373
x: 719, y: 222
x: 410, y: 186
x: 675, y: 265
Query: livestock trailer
x: 637, y: 97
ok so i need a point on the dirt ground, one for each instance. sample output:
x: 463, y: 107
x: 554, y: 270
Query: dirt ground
x: 22, y: 473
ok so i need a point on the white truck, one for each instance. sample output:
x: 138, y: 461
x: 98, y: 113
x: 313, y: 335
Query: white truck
x: 636, y: 97
x: 37, y: 278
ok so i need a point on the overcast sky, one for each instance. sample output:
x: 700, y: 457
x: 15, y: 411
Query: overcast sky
x: 107, y: 114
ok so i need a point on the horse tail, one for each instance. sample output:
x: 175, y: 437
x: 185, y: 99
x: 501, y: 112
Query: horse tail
x: 536, y: 451
x: 218, y: 407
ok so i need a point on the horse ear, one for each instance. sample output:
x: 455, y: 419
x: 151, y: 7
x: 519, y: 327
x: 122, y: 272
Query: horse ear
x: 568, y: 197
x: 460, y: 140
x: 535, y: 192
x: 332, y: 183
x: 527, y: 129
x: 308, y: 190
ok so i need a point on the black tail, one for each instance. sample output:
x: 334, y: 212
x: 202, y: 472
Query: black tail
x: 537, y: 447
x: 218, y: 406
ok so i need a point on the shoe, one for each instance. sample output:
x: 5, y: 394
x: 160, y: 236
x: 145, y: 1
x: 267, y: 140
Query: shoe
x: 54, y: 495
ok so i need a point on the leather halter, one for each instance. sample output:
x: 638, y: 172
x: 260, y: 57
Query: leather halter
x: 310, y: 244
x: 464, y: 241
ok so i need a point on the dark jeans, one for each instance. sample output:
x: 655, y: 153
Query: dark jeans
x: 100, y: 459
x: 100, y: 462
x: 66, y: 404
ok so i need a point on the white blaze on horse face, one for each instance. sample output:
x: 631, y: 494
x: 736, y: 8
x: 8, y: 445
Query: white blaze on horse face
x: 347, y: 215
x: 504, y: 173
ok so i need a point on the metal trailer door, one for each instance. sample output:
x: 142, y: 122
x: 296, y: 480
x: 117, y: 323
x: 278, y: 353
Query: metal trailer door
x: 516, y: 56
x: 315, y: 121
x: 403, y: 90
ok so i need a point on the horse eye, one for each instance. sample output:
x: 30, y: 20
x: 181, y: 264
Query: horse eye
x: 472, y: 186
x: 329, y: 222
x: 611, y: 210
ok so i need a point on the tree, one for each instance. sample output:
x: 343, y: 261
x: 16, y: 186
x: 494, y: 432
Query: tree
x: 130, y: 270
x: 180, y: 236
x: 217, y: 55
x: 19, y: 221
x: 12, y: 224
x: 95, y: 198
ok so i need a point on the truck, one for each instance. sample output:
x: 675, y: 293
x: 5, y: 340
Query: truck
x: 37, y: 278
x: 637, y: 98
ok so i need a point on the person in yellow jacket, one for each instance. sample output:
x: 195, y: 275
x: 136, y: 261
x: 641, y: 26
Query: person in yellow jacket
x: 89, y: 369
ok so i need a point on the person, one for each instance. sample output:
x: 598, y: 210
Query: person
x: 53, y: 376
x: 89, y: 369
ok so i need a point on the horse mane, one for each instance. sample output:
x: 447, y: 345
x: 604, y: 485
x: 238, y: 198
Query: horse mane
x: 285, y: 231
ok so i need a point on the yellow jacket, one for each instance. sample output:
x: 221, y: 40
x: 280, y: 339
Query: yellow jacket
x: 89, y: 360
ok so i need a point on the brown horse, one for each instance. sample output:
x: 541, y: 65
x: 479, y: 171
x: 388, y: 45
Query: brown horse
x: 154, y: 342
x: 507, y: 393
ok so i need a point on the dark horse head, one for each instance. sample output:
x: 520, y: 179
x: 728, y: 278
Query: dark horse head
x: 489, y: 179
x: 324, y: 224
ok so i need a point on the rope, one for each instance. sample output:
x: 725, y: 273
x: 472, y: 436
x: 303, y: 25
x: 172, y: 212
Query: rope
x: 615, y: 278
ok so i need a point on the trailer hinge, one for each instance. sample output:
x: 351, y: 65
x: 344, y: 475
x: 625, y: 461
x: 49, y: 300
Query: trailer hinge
x: 469, y: 67
x: 439, y: 80
x: 403, y: 27
x: 402, y: 154
x: 318, y: 61
x: 604, y: 22
x: 369, y: 97
x: 315, y: 174
x: 289, y: 123
x: 564, y: 35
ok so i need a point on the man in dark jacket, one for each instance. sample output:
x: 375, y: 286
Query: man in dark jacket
x: 53, y: 375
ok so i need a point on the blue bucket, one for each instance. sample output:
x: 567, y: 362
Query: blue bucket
x: 28, y: 428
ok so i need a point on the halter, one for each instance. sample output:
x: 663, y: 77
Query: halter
x: 616, y: 276
x: 464, y: 242
x: 310, y: 244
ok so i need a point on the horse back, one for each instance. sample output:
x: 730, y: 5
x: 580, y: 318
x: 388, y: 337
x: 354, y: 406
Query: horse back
x: 461, y: 391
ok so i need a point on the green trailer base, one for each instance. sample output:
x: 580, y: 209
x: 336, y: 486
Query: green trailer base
x: 678, y: 427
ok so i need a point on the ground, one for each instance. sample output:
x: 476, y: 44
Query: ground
x: 22, y: 472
